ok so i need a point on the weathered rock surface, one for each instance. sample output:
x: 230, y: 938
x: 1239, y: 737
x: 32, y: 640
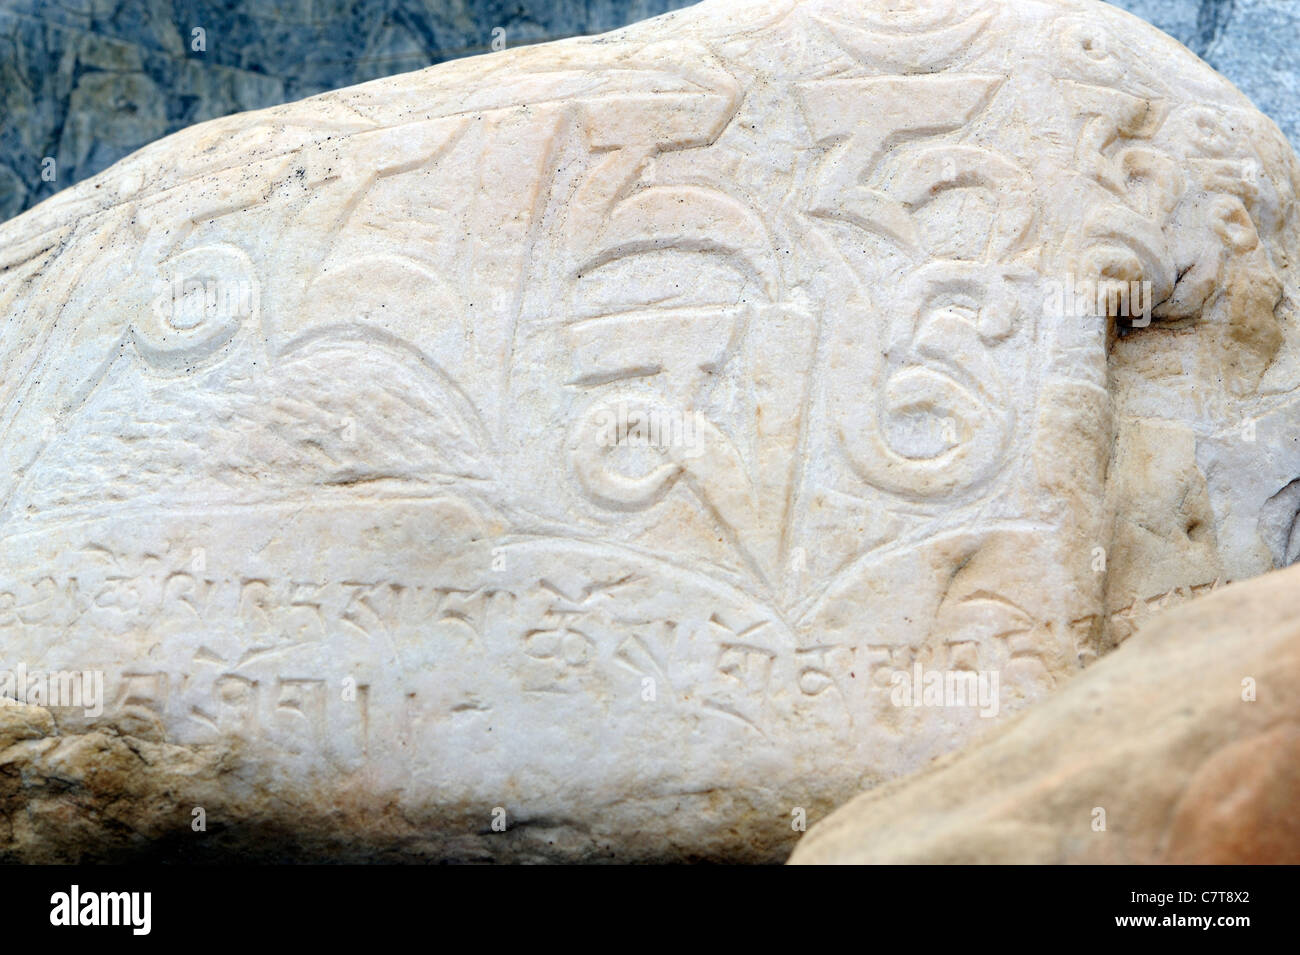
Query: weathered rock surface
x: 319, y: 428
x: 88, y: 84
x: 1184, y: 745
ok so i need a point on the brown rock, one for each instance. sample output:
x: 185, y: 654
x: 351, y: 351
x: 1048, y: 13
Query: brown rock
x: 1160, y: 742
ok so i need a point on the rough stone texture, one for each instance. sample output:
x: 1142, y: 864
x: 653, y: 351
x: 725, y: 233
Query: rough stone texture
x: 1159, y: 735
x: 1251, y: 42
x: 89, y: 84
x: 361, y: 562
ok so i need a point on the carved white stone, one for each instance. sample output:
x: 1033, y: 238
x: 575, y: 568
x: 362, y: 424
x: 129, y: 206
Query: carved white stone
x: 593, y: 431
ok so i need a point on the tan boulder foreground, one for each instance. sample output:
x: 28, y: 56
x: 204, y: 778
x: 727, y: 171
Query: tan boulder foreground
x: 575, y: 452
x: 1182, y: 747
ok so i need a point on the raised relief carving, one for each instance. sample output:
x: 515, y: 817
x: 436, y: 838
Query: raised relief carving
x: 609, y: 425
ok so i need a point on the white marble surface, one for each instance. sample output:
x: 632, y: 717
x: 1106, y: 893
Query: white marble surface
x: 362, y: 536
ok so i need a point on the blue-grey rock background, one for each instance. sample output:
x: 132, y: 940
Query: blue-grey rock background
x: 85, y: 82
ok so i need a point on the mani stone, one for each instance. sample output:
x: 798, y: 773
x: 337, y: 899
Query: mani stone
x: 563, y: 453
x: 1182, y: 748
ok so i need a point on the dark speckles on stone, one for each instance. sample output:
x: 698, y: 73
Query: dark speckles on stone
x: 1251, y: 42
x: 256, y: 58
x: 53, y: 58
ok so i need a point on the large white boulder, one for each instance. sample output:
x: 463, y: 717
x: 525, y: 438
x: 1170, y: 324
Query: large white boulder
x: 599, y: 439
